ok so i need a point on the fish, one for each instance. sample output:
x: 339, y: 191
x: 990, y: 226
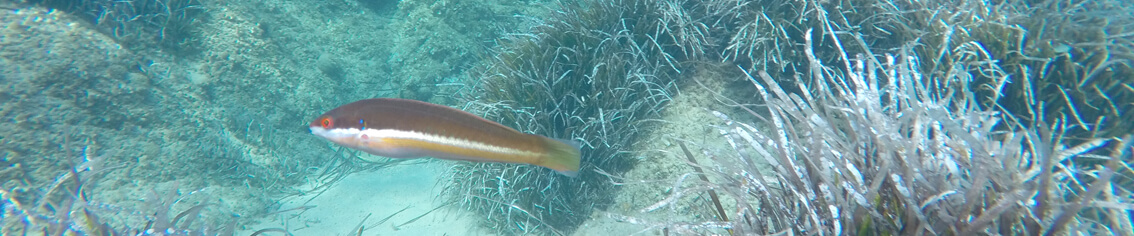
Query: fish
x: 403, y: 128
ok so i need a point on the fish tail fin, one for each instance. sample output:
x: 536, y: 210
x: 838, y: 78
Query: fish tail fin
x: 562, y: 157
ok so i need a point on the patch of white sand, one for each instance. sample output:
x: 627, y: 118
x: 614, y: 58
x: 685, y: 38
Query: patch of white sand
x: 379, y: 194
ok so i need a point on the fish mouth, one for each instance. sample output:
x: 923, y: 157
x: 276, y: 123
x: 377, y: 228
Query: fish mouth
x: 340, y: 136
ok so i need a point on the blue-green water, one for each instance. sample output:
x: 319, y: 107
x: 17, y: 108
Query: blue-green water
x: 189, y: 117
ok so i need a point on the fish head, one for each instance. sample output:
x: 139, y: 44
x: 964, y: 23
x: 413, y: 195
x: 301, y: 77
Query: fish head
x: 361, y: 126
x: 335, y: 129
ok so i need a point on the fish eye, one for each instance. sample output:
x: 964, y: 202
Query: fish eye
x: 327, y: 123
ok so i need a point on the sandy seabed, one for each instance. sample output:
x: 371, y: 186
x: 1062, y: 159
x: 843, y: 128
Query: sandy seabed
x: 379, y: 194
